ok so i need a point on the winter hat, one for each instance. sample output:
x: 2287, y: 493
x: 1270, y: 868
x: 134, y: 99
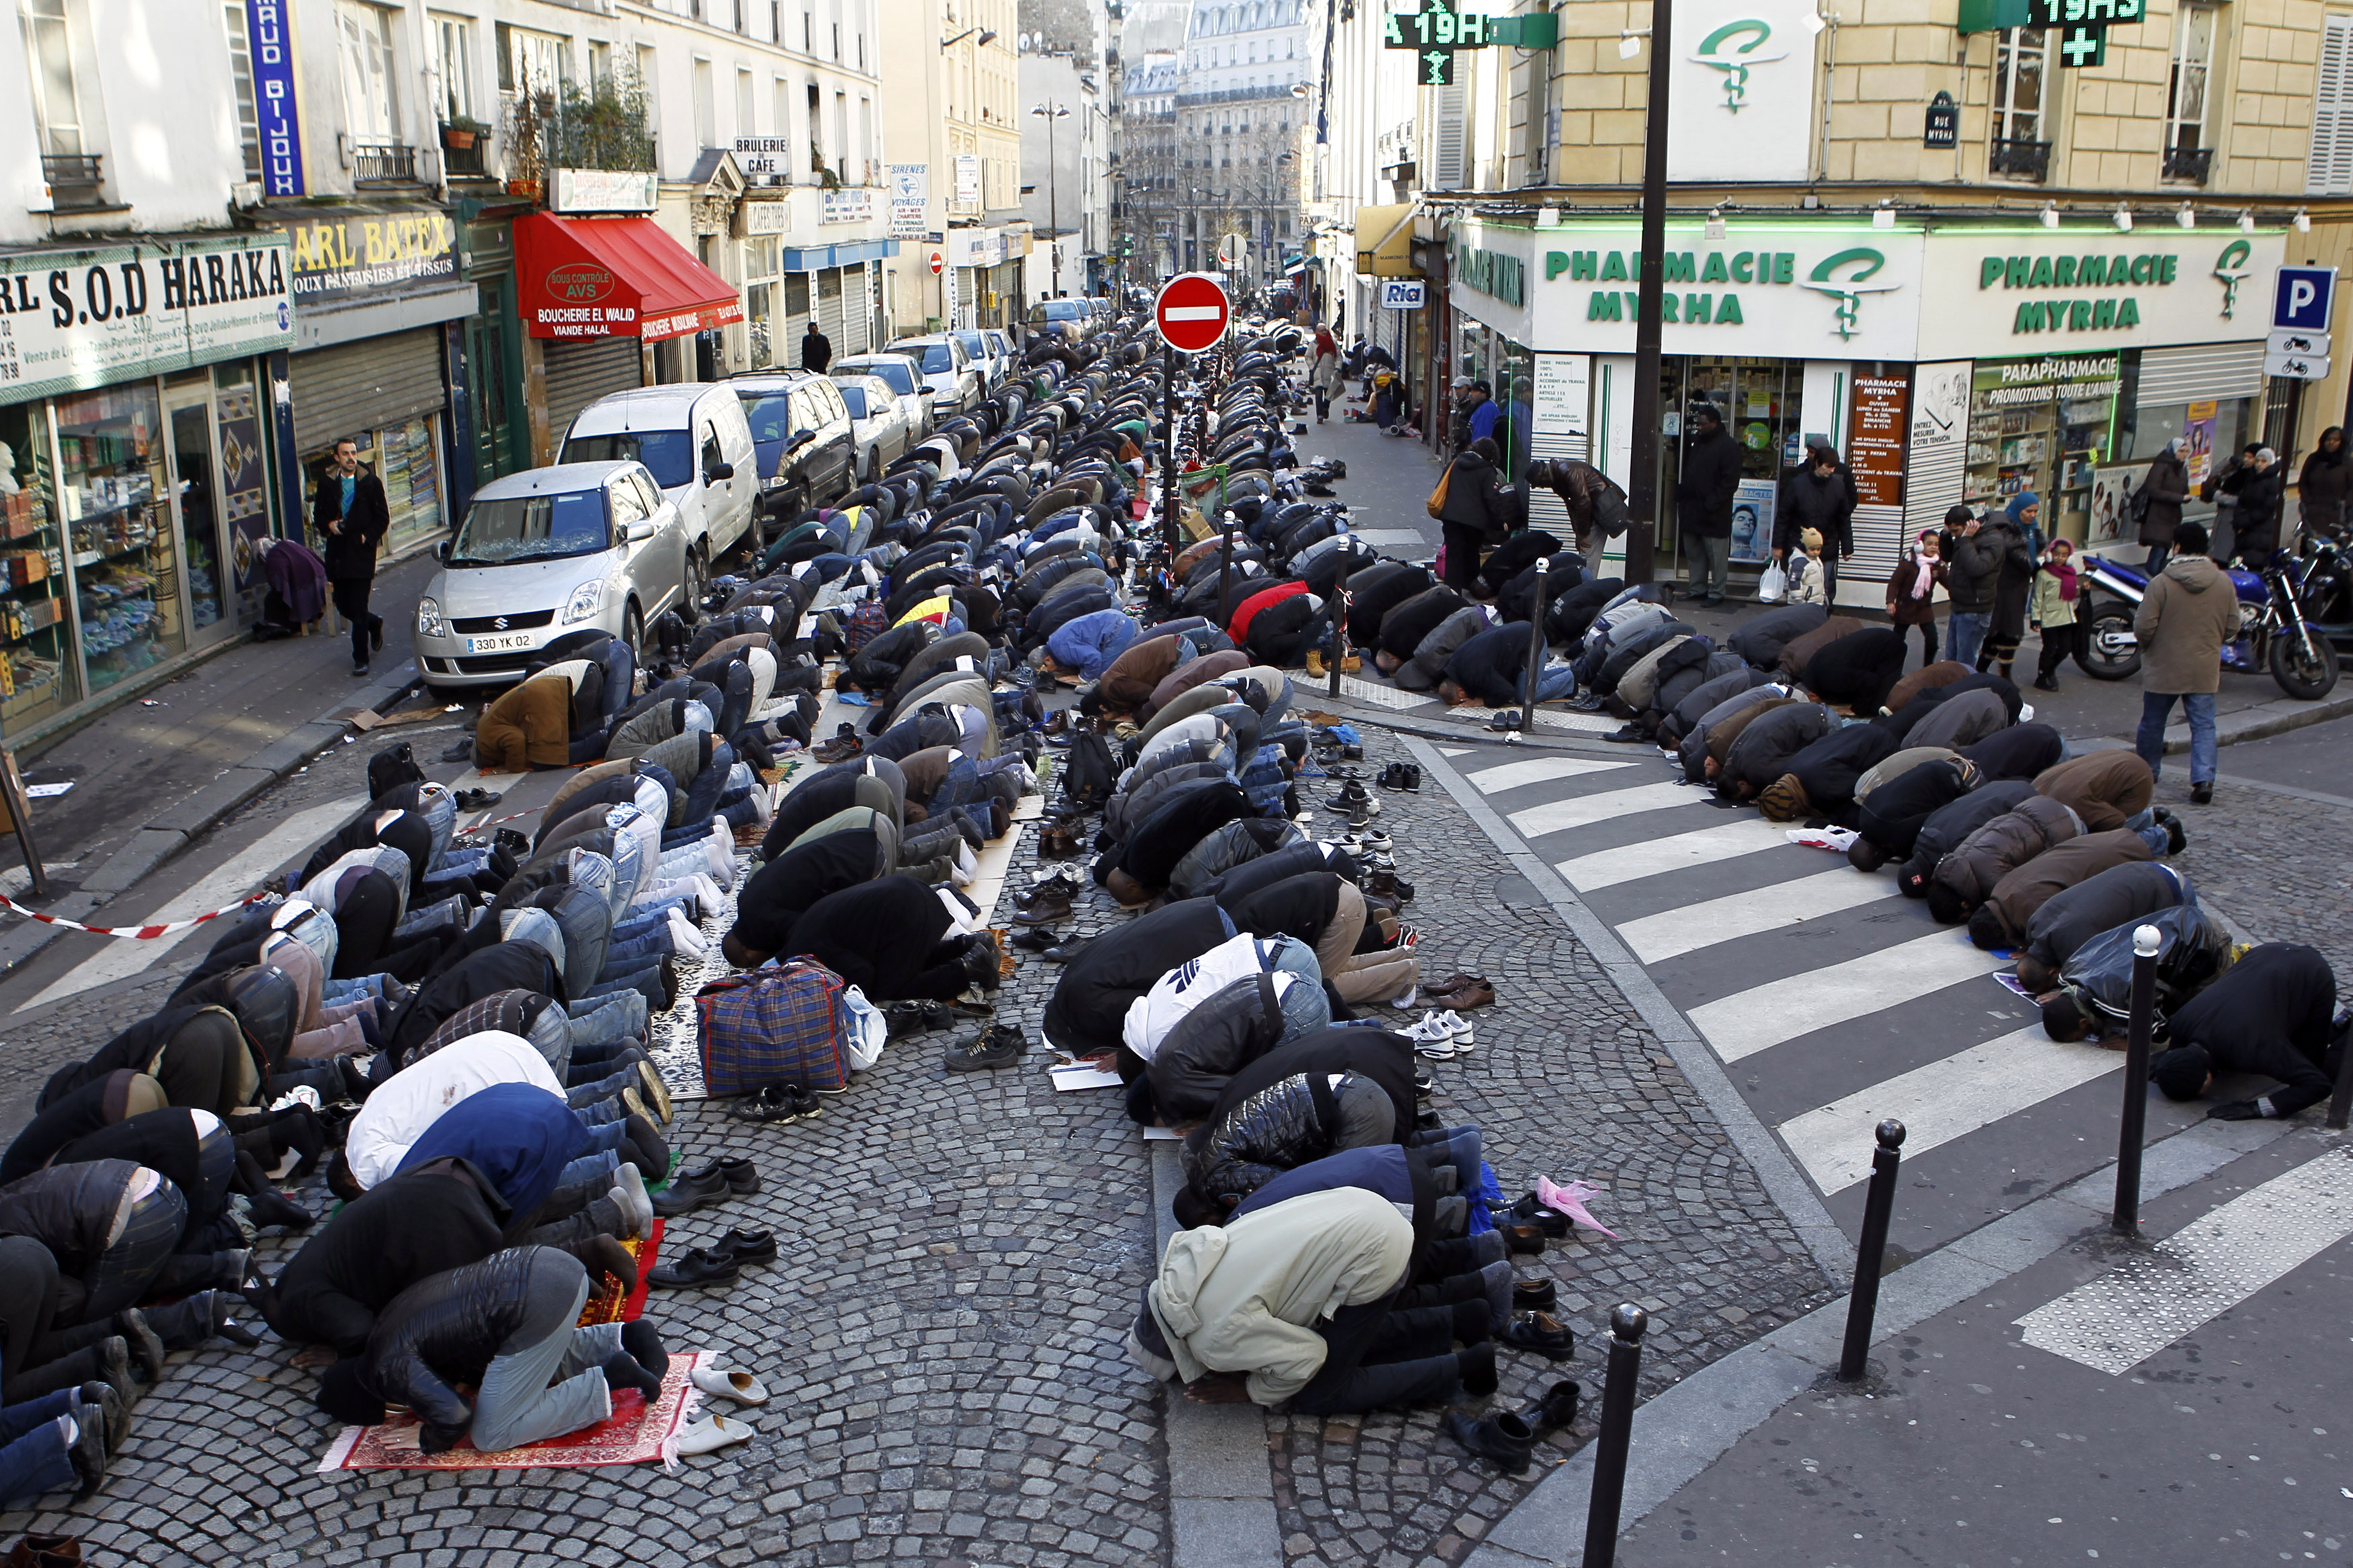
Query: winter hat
x: 2182, y: 1072
x: 1784, y: 799
x: 1811, y: 539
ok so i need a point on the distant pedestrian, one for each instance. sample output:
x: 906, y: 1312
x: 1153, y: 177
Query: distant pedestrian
x: 1818, y: 494
x: 1806, y: 581
x: 1972, y: 571
x: 2009, y: 538
x: 1323, y: 373
x: 2259, y: 485
x: 817, y: 350
x: 2052, y: 611
x: 1703, y: 492
x: 2190, y: 611
x: 2159, y: 498
x: 351, y: 516
x: 1912, y: 592
x: 2326, y: 485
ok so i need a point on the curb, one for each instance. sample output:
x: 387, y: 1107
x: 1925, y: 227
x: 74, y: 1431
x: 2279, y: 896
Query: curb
x: 2260, y: 722
x: 171, y: 828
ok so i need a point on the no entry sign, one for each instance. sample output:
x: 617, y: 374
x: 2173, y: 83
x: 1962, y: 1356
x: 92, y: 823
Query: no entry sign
x: 1191, y: 313
x: 938, y: 262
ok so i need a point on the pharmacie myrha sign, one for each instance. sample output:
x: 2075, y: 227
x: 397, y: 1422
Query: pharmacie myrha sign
x: 2062, y: 290
x: 1741, y: 89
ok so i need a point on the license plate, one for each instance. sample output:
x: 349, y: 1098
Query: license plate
x: 499, y: 644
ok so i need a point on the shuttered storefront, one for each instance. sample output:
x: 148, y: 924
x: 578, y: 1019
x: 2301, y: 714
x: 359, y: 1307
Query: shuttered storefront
x: 828, y: 306
x: 857, y: 309
x: 388, y: 394
x: 581, y: 372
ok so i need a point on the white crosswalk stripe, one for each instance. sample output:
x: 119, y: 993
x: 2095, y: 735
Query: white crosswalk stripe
x: 1584, y: 810
x: 1540, y: 769
x: 1764, y: 1016
x: 1655, y: 938
x: 1676, y: 852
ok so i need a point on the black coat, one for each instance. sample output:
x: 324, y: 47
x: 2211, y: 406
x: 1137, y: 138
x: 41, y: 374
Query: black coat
x: 2269, y: 1015
x: 420, y: 1223
x: 1825, y: 505
x: 70, y: 1209
x: 1222, y: 1035
x: 816, y: 351
x: 1710, y: 478
x: 443, y: 1331
x: 1091, y: 1000
x: 349, y: 542
x: 1477, y: 497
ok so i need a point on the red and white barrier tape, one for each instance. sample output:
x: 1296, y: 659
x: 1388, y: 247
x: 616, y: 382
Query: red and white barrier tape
x: 138, y: 932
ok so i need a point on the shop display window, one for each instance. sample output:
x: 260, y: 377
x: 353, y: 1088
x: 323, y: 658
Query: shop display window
x: 38, y: 674
x: 2044, y: 426
x: 112, y: 488
x: 407, y: 457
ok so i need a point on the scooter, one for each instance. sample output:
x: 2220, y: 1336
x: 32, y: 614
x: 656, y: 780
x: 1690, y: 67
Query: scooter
x: 2273, y: 632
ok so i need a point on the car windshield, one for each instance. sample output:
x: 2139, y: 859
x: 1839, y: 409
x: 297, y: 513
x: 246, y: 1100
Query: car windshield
x: 854, y: 397
x: 770, y: 414
x: 517, y: 528
x: 894, y: 374
x: 974, y: 343
x: 938, y: 356
x: 1064, y: 311
x: 667, y: 454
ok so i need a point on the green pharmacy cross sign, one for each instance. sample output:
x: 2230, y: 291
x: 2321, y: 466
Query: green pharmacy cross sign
x: 1435, y: 32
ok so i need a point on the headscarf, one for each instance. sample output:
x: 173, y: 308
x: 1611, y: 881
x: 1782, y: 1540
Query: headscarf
x: 2322, y: 454
x: 2062, y: 570
x: 1924, y: 576
x: 2018, y: 505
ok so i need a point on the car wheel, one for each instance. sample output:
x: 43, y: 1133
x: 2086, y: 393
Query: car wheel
x: 698, y: 578
x: 633, y: 632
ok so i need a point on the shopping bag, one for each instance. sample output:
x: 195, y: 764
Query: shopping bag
x: 1773, y: 586
x: 1438, y: 497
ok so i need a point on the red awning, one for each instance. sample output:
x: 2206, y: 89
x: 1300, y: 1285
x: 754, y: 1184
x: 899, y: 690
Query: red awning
x: 614, y: 278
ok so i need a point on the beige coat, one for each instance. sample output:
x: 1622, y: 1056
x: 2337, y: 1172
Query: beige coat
x: 2188, y: 613
x: 1246, y: 1296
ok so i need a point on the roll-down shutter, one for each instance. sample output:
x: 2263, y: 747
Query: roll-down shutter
x: 581, y: 372
x: 364, y: 385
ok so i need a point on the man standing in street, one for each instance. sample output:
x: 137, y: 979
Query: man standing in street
x: 1820, y: 495
x: 1972, y: 572
x: 817, y: 350
x: 1710, y: 478
x: 351, y: 516
x: 2190, y: 611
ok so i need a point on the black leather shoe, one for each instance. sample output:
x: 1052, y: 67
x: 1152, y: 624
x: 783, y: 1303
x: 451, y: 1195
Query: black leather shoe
x: 691, y: 1190
x: 1505, y: 1439
x: 1558, y: 1408
x: 760, y: 1247
x: 697, y: 1266
x: 1526, y: 1239
x: 743, y: 1177
x: 1542, y: 1333
x: 1535, y: 1295
x: 102, y: 1398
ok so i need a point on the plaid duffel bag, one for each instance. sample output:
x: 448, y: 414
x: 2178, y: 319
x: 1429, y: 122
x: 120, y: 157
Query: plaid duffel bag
x: 771, y: 1026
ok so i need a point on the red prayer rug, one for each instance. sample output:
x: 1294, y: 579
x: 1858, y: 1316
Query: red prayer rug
x: 636, y: 1434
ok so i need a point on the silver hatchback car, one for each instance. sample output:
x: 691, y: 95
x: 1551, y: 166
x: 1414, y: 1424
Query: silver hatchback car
x: 545, y: 552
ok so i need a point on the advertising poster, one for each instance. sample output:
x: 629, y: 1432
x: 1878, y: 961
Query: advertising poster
x: 2198, y: 443
x: 2111, y: 504
x: 1875, y: 430
x: 1752, y: 521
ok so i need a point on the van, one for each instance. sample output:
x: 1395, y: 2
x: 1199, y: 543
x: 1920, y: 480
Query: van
x: 692, y: 436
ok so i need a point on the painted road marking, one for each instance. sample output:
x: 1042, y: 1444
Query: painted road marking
x: 2119, y: 1320
x: 1583, y: 811
x: 1764, y: 1016
x: 1940, y: 1102
x: 1654, y: 938
x: 1677, y: 852
x: 1539, y: 770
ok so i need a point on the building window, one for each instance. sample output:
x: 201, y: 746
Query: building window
x: 364, y: 40
x: 706, y: 113
x: 240, y: 69
x: 743, y: 126
x: 2019, y: 150
x: 57, y: 96
x: 529, y: 62
x: 600, y: 64
x: 453, y: 39
x: 2330, y: 170
x: 649, y: 79
x: 2187, y: 156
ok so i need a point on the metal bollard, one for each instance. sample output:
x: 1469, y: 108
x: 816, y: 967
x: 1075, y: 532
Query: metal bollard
x: 1535, y: 653
x: 1871, y: 1254
x: 1609, y: 1495
x: 1226, y: 568
x: 2135, y: 1116
x: 1339, y: 623
x: 2342, y: 1103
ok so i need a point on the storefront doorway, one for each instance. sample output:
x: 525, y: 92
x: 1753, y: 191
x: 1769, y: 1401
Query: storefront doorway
x: 196, y: 487
x: 1761, y: 401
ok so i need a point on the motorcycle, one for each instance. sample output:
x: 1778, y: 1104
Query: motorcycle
x: 2324, y: 568
x: 2274, y: 633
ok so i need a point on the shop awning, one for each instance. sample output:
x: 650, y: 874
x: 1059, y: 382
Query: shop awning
x: 1384, y: 241
x: 615, y: 276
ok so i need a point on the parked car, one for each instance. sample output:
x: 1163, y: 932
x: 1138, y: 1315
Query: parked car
x: 948, y: 369
x: 692, y: 437
x: 987, y: 358
x: 806, y: 442
x: 880, y: 422
x: 544, y: 554
x: 1001, y: 343
x: 1070, y: 319
x: 904, y: 376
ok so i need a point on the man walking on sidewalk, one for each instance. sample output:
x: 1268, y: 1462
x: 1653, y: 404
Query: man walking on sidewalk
x: 350, y: 516
x: 2188, y: 613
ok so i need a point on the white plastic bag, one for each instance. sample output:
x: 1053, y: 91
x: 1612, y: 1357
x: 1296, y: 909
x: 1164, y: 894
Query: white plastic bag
x: 863, y: 1027
x: 1773, y: 586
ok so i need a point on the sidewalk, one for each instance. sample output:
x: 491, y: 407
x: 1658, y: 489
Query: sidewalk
x: 149, y: 779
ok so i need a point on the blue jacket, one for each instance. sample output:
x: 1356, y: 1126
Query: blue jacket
x: 517, y: 1135
x: 1091, y: 642
x: 1380, y: 1168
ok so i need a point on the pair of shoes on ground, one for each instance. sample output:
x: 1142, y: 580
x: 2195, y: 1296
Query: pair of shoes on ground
x: 730, y: 1176
x: 716, y: 1264
x: 1405, y: 776
x: 997, y: 1046
x: 716, y: 1431
x: 1509, y: 1437
x: 1441, y: 1036
x: 776, y: 1104
x: 1458, y: 992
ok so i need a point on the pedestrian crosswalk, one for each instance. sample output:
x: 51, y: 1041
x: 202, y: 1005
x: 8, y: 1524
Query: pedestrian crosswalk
x: 1834, y: 1001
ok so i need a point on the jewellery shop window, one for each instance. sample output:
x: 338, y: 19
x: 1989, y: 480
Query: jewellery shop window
x: 126, y: 569
x: 37, y: 674
x: 405, y: 456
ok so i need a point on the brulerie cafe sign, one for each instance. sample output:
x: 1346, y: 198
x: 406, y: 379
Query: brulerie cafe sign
x: 1846, y: 290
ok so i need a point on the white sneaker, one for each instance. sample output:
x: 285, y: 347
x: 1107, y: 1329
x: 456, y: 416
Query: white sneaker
x: 711, y: 1434
x: 708, y: 892
x: 1432, y: 1036
x: 721, y: 1384
x: 685, y: 938
x: 1459, y: 1026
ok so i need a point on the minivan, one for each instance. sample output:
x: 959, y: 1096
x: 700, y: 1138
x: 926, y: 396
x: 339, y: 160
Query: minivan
x: 806, y: 442
x: 693, y: 438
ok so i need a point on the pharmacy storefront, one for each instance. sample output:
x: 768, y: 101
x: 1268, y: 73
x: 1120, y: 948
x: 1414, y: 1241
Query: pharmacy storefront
x: 138, y: 441
x: 2051, y: 360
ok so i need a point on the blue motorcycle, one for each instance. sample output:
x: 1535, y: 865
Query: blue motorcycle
x: 2273, y: 634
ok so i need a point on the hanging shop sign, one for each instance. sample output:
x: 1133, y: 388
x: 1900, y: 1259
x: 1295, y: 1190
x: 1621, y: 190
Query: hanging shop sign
x: 968, y: 179
x: 1741, y: 89
x: 2042, y: 290
x: 270, y: 47
x: 765, y: 160
x: 1435, y: 32
x: 910, y: 192
x: 70, y: 320
x: 855, y: 204
x: 336, y: 259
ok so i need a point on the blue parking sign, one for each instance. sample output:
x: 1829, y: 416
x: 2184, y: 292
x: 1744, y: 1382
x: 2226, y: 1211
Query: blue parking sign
x: 2303, y: 297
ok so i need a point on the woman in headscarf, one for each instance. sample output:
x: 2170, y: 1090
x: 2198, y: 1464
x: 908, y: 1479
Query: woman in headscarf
x: 2325, y: 485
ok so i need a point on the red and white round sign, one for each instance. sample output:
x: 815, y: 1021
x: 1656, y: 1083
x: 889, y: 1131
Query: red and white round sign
x: 1191, y: 313
x: 939, y: 263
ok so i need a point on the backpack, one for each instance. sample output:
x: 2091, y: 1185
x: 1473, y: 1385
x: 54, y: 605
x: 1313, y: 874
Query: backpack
x: 389, y: 769
x: 1609, y: 513
x: 1087, y: 773
x: 774, y: 1026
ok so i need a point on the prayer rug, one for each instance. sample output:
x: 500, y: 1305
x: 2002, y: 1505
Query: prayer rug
x: 608, y: 1304
x: 636, y: 1434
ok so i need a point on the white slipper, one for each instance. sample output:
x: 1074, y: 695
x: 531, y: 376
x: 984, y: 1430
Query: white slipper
x: 711, y: 1434
x: 721, y: 1384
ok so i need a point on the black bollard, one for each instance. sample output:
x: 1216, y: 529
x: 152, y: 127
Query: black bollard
x: 1608, y: 1496
x: 1339, y: 623
x: 1225, y: 567
x: 1871, y: 1255
x: 1536, y: 655
x: 1168, y: 528
x: 2341, y: 1102
x: 2135, y: 1116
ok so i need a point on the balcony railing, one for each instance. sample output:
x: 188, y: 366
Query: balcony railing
x: 383, y: 162
x: 75, y: 180
x: 466, y: 163
x: 2190, y: 164
x: 2018, y: 160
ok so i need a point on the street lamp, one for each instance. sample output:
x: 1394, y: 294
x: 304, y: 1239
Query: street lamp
x: 987, y: 36
x: 1050, y: 113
